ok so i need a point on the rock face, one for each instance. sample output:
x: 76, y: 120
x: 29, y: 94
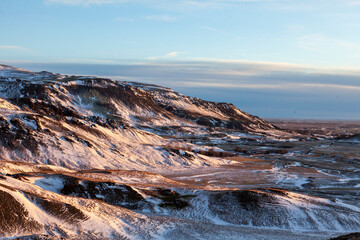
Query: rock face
x: 88, y: 122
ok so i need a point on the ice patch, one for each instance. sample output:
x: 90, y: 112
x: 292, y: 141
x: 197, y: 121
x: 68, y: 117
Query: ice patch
x: 53, y: 184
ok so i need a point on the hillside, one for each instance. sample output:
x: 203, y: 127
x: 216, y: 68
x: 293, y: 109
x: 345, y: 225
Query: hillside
x: 88, y: 122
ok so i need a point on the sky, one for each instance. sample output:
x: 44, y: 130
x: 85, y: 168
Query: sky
x: 272, y: 58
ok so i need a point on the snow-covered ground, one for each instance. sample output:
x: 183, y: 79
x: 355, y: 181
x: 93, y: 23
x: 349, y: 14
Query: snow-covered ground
x: 91, y: 158
x: 70, y: 204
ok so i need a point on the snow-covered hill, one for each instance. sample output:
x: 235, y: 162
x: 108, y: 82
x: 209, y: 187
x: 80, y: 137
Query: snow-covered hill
x: 89, y: 122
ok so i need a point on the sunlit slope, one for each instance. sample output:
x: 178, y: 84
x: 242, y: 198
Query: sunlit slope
x: 88, y: 122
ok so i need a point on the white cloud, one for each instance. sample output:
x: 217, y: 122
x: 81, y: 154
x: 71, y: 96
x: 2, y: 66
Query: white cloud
x: 218, y: 73
x: 164, y: 18
x: 173, y: 54
x: 152, y: 58
x: 226, y: 67
x: 279, y: 86
x: 319, y: 42
x: 169, y: 55
x: 334, y: 86
x: 83, y: 60
x: 232, y: 85
x: 354, y: 2
x: 11, y: 47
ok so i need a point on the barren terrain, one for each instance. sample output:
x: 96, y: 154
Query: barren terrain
x: 93, y: 158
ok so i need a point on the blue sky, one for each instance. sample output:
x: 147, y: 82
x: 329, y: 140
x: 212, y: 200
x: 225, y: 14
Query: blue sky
x: 293, y: 55
x: 316, y: 32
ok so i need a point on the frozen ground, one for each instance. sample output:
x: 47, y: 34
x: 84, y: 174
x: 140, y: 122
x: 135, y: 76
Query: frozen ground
x: 92, y: 158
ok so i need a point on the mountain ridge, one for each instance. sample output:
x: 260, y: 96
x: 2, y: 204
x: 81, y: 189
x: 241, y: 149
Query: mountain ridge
x: 45, y: 116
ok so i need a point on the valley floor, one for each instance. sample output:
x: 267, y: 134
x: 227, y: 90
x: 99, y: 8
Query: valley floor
x: 309, y: 191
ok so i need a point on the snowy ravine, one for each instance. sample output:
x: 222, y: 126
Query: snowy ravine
x: 87, y: 157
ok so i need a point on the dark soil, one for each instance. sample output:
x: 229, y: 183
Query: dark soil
x: 14, y: 217
x: 111, y: 193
